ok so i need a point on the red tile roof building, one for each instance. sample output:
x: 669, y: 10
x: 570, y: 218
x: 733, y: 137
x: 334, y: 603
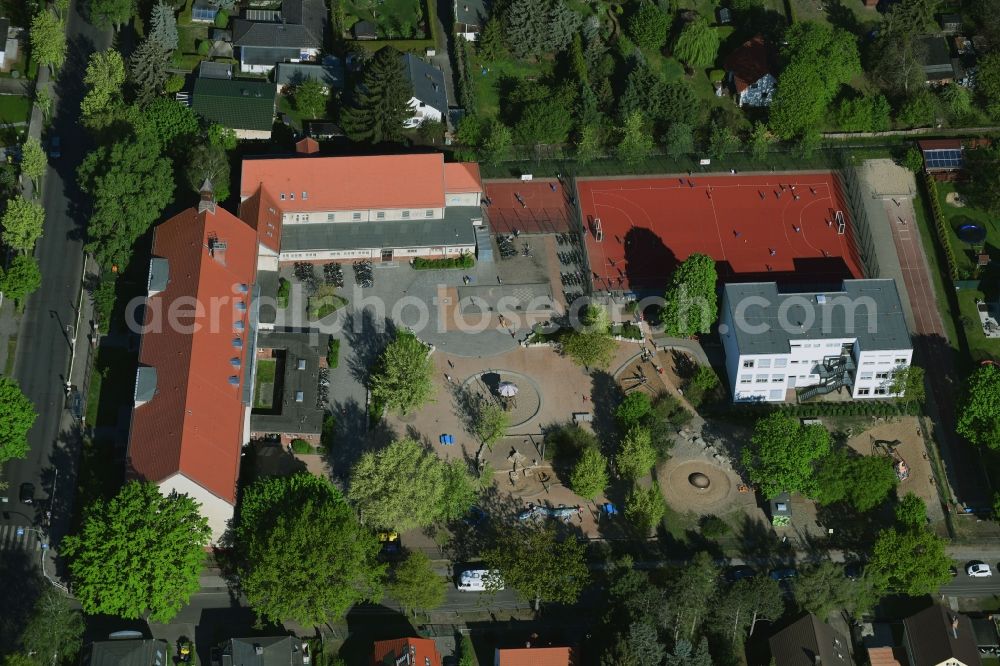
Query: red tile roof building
x: 750, y: 72
x: 406, y: 652
x: 192, y: 386
x: 535, y: 656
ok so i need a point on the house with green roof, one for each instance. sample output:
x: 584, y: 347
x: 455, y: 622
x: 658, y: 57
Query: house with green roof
x: 247, y: 107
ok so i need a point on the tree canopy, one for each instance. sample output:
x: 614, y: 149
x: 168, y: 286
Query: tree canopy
x: 648, y: 26
x: 911, y: 511
x: 382, y: 100
x: 590, y: 474
x: 22, y: 278
x: 691, y: 304
x: 17, y: 415
x: 111, y: 13
x: 33, y: 160
x: 538, y: 565
x: 304, y: 555
x: 139, y: 554
x: 636, y: 455
x: 631, y: 411
x: 310, y: 98
x: 149, y: 70
x: 405, y: 485
x: 822, y: 587
x: 48, y: 40
x: 22, y: 224
x: 979, y: 412
x: 54, y: 630
x: 207, y: 160
x: 909, y: 561
x: 863, y: 481
x: 533, y: 28
x: 783, y: 453
x: 415, y: 584
x: 692, y: 593
x: 402, y: 378
x: 164, y: 25
x: 104, y: 79
x: 698, y: 43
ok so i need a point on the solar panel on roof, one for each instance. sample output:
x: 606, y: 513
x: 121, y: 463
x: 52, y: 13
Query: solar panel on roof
x: 943, y: 158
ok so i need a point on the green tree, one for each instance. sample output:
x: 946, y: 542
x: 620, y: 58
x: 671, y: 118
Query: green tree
x: 138, y: 555
x: 684, y: 654
x: 636, y: 456
x: 633, y: 409
x: 722, y: 141
x: 679, y: 140
x: 691, y: 303
x: 404, y: 486
x: 863, y: 481
x: 979, y: 411
x: 783, y: 453
x: 908, y: 383
x: 304, y: 556
x: 33, y: 161
x: 43, y: 98
x: 21, y: 279
x: 54, y: 631
x: 382, y: 100
x: 958, y: 101
x: 544, y: 122
x: 402, y: 377
x: 210, y: 161
x: 821, y: 588
x: 760, y: 141
x: 221, y: 137
x: 912, y: 562
x: 496, y: 148
x: 634, y: 140
x: 590, y: 144
x: 130, y: 183
x: 491, y: 46
x: 533, y: 28
x: 466, y: 652
x: 490, y: 422
x: 911, y: 512
x: 22, y: 224
x: 111, y: 13
x: 988, y: 83
x: 590, y: 474
x: 164, y: 26
x: 538, y: 565
x: 174, y: 126
x: 863, y: 114
x: 149, y: 69
x: 746, y: 602
x: 648, y: 26
x: 692, y: 594
x: 310, y: 99
x: 920, y: 109
x: 588, y: 348
x: 104, y: 79
x: 415, y: 584
x: 17, y: 415
x: 698, y: 44
x: 48, y: 40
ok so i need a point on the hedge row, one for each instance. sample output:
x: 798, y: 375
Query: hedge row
x: 941, y: 227
x: 853, y: 408
x: 463, y: 261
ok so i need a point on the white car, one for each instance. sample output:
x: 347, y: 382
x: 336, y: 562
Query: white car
x: 978, y: 570
x: 474, y: 580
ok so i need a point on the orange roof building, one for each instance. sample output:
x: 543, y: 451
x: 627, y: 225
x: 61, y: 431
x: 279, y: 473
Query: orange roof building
x: 193, y: 383
x: 750, y: 72
x: 535, y: 656
x: 380, y: 207
x: 406, y: 652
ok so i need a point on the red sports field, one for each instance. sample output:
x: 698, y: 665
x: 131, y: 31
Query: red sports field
x: 533, y: 207
x: 756, y: 228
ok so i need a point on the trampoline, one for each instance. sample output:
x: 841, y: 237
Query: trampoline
x: 973, y: 234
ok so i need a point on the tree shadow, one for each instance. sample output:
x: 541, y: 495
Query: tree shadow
x: 605, y: 394
x: 648, y: 262
x: 353, y: 435
x: 758, y: 543
x: 367, y: 623
x: 217, y: 625
x: 367, y: 334
x: 21, y: 586
x: 853, y: 531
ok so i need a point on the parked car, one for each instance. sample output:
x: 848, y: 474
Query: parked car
x: 739, y: 572
x: 853, y: 570
x: 391, y: 547
x: 978, y: 570
x: 474, y: 580
x: 783, y: 573
x: 27, y: 493
x: 55, y: 147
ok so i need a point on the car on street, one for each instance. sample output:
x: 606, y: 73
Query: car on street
x: 55, y: 147
x: 391, y: 549
x: 783, y: 573
x: 475, y: 580
x: 978, y: 570
x: 739, y: 572
x: 27, y: 494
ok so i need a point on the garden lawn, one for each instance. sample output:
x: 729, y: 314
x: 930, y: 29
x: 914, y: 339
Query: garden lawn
x: 850, y: 14
x: 393, y: 18
x: 14, y: 109
x: 487, y: 87
x: 263, y: 389
x: 966, y: 215
x: 981, y: 348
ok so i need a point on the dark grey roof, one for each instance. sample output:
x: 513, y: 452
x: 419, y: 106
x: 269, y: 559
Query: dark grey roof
x: 159, y: 274
x: 877, y: 323
x: 264, y: 55
x: 364, y: 30
x: 263, y: 651
x: 215, y: 70
x: 935, y: 55
x: 321, y: 129
x: 289, y: 416
x: 427, y: 81
x: 139, y: 652
x: 330, y: 73
x: 245, y: 105
x: 471, y: 12
x: 4, y: 27
x: 301, y: 25
x: 985, y: 631
x: 145, y: 383
x: 808, y: 642
x: 936, y: 635
x: 268, y: 283
x: 454, y: 229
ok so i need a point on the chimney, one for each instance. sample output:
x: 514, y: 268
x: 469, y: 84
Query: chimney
x: 207, y: 202
x: 307, y: 146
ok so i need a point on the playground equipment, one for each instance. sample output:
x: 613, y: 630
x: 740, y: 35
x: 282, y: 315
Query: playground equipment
x: 884, y: 447
x: 538, y: 512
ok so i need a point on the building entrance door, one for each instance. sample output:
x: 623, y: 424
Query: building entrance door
x: 386, y: 255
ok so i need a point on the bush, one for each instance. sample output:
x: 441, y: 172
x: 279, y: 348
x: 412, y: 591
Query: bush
x: 174, y: 83
x: 713, y: 527
x: 645, y: 508
x: 301, y: 446
x: 633, y: 409
x: 284, y: 289
x: 222, y: 19
x: 941, y: 227
x: 463, y: 261
x: 204, y: 47
x: 333, y: 352
x: 103, y: 298
x: 326, y: 436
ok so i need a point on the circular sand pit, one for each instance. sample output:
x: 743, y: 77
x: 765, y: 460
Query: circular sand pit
x: 521, y: 407
x: 954, y: 199
x: 698, y: 486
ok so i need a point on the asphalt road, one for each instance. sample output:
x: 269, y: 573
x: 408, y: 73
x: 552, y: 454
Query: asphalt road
x: 43, y: 345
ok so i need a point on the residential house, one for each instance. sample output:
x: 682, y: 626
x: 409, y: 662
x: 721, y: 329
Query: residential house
x: 330, y: 73
x: 406, y: 652
x: 943, y: 158
x: 535, y: 656
x: 247, y: 107
x: 470, y: 17
x: 292, y: 34
x: 808, y: 642
x: 382, y: 207
x: 854, y: 338
x: 127, y: 652
x: 364, y: 30
x: 936, y: 61
x: 265, y: 651
x: 750, y: 73
x: 430, y: 98
x: 939, y: 636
